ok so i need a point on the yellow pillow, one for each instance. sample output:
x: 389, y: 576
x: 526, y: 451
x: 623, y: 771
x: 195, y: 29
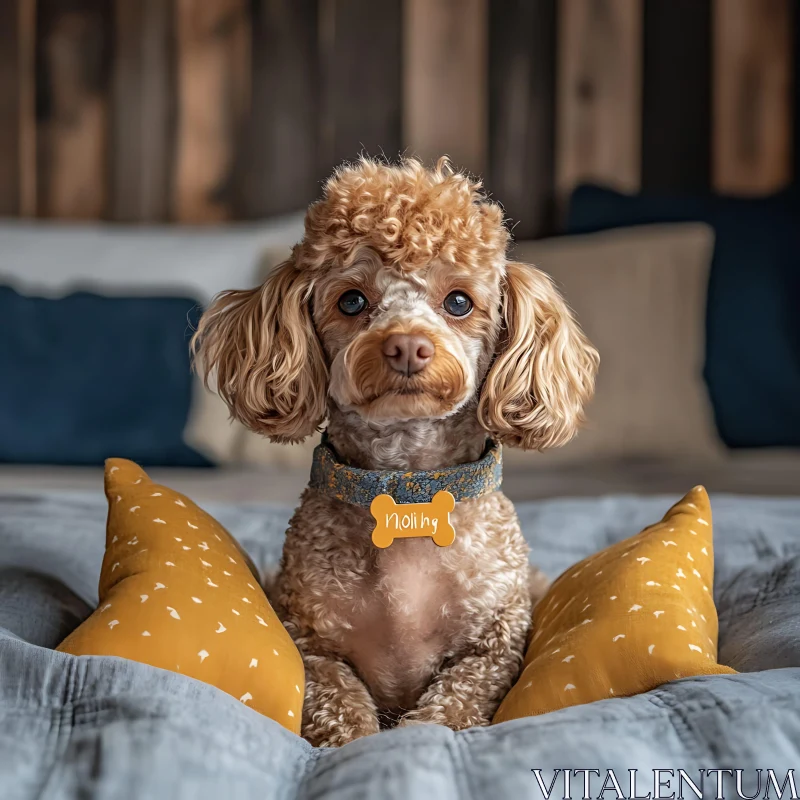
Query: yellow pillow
x: 625, y: 620
x: 177, y: 592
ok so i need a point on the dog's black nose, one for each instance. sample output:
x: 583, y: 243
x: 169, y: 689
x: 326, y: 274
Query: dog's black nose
x: 408, y: 353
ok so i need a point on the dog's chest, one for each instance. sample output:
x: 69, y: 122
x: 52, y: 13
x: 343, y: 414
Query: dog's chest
x: 400, y: 622
x: 412, y: 584
x: 398, y: 614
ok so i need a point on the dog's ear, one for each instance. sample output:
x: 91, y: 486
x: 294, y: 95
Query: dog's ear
x: 544, y: 372
x: 268, y: 362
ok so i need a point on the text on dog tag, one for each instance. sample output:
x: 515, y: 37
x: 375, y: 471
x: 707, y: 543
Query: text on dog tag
x: 407, y: 520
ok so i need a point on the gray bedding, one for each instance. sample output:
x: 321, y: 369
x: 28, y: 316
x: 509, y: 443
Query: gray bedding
x: 109, y: 728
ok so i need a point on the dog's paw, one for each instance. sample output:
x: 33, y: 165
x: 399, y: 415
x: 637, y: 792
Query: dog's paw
x: 335, y: 727
x: 413, y: 723
x: 338, y: 736
x: 422, y: 716
x: 441, y: 715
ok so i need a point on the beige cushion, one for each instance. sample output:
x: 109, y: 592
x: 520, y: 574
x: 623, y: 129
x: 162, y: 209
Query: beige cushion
x: 640, y: 295
x: 212, y: 432
x: 210, y: 429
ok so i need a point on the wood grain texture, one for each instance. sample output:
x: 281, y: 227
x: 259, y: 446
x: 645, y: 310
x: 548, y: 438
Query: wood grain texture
x: 752, y: 95
x: 445, y: 80
x: 796, y: 103
x: 279, y: 168
x: 676, y: 110
x: 522, y: 81
x: 213, y: 87
x: 598, y: 131
x: 9, y: 109
x: 143, y: 102
x: 17, y: 108
x: 27, y: 109
x: 72, y: 109
x: 360, y: 76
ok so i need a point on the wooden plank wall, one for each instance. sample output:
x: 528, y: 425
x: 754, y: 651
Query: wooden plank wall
x: 213, y: 93
x: 17, y: 109
x: 522, y: 105
x: 73, y: 47
x: 676, y: 95
x: 445, y: 80
x: 598, y: 122
x: 278, y: 166
x: 360, y: 51
x: 207, y: 111
x: 752, y: 98
x: 143, y: 111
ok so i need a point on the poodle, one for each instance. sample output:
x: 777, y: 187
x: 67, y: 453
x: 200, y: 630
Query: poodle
x: 399, y: 321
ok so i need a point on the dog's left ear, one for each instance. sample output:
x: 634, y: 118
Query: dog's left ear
x: 534, y: 394
x: 269, y: 365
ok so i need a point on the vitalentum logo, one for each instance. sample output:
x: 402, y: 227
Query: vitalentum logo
x: 666, y: 784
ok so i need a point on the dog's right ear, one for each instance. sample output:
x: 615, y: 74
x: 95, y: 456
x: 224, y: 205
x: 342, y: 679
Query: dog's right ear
x: 534, y: 394
x: 268, y: 362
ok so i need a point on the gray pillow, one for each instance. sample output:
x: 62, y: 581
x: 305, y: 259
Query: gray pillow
x: 38, y: 608
x: 759, y: 617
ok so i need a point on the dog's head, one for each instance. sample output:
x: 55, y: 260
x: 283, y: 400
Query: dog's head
x: 399, y: 303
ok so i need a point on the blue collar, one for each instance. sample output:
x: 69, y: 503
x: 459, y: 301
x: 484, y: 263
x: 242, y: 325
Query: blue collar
x: 359, y: 486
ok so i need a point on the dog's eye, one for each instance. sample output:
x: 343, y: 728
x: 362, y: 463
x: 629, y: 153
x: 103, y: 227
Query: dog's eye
x: 457, y: 304
x: 352, y: 303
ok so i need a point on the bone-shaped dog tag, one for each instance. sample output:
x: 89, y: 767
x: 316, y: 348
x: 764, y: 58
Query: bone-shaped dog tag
x: 408, y: 520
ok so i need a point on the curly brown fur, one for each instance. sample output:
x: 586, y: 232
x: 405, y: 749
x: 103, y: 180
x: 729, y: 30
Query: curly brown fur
x: 413, y: 633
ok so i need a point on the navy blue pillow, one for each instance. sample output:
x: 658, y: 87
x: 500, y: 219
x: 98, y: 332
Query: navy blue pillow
x: 86, y: 377
x: 753, y: 322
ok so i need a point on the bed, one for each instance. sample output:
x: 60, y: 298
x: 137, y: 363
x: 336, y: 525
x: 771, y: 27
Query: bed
x: 109, y: 728
x: 105, y: 727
